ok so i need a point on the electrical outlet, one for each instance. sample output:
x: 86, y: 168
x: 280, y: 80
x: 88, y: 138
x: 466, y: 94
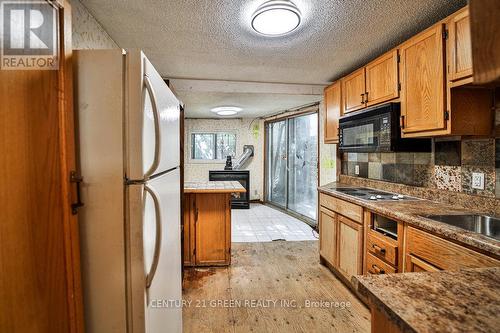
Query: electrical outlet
x: 356, y: 169
x: 478, y: 180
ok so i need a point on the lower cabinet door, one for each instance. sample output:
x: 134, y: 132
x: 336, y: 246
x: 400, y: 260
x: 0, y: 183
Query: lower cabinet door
x: 213, y: 229
x: 328, y: 236
x: 350, y: 248
x: 414, y: 264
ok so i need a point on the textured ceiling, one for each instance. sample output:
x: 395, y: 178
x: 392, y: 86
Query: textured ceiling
x: 212, y: 39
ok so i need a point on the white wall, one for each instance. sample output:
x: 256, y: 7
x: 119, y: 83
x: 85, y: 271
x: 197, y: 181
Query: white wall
x: 87, y: 32
x: 198, y: 171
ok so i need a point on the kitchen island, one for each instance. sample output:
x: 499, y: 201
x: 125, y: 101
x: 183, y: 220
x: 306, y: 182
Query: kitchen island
x: 207, y: 222
x: 466, y: 300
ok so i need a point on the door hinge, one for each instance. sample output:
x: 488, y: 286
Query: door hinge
x: 399, y: 86
x: 398, y: 58
x: 196, y: 215
x: 194, y: 251
x: 446, y: 115
x: 402, y: 121
x: 76, y: 178
x: 445, y: 33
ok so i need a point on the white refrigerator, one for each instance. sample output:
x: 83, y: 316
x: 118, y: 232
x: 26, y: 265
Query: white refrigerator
x: 129, y: 146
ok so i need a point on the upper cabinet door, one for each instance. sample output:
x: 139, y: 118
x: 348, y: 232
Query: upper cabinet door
x: 333, y: 105
x: 459, y: 46
x: 422, y: 80
x: 353, y: 91
x: 382, y: 79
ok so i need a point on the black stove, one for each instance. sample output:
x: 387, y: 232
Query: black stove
x: 369, y: 194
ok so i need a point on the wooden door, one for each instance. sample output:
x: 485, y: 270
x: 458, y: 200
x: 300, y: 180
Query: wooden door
x: 328, y: 236
x: 353, y: 91
x: 333, y: 105
x: 40, y: 286
x: 414, y: 264
x: 423, y: 85
x: 382, y: 79
x: 459, y: 46
x: 485, y: 29
x: 213, y: 228
x: 350, y: 247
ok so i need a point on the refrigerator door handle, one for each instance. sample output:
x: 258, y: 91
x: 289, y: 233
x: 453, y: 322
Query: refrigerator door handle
x: 156, y: 117
x: 156, y: 255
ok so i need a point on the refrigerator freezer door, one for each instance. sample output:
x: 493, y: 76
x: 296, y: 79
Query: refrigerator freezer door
x: 153, y: 113
x: 155, y: 255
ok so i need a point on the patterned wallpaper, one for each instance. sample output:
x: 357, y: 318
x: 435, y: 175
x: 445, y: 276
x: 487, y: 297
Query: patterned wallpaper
x: 87, y: 32
x: 248, y: 132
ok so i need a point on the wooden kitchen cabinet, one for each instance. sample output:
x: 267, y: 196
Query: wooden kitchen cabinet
x: 207, y: 229
x: 350, y: 247
x: 423, y: 83
x: 382, y: 79
x: 341, y: 236
x: 459, y: 46
x: 328, y: 236
x: 333, y: 104
x: 416, y: 265
x: 353, y: 91
x: 427, y: 252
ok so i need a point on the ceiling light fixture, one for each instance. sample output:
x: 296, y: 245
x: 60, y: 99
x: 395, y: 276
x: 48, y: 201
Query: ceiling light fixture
x: 226, y: 110
x: 276, y: 18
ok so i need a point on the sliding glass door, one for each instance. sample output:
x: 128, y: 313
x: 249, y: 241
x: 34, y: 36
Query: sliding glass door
x: 292, y: 164
x: 277, y: 161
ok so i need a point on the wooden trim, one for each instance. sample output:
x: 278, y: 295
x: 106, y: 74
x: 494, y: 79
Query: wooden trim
x: 68, y: 163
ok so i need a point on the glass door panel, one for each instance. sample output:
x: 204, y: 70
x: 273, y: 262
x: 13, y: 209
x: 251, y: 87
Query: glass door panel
x: 292, y: 164
x: 277, y: 163
x: 303, y: 164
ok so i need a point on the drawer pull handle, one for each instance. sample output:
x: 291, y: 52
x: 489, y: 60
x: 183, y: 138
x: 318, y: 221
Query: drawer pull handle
x: 378, y: 249
x: 377, y: 269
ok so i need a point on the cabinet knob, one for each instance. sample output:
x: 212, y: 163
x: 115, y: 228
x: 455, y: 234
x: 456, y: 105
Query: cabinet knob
x: 378, y: 249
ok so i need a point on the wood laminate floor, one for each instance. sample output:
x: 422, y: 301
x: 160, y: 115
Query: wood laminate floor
x: 270, y: 287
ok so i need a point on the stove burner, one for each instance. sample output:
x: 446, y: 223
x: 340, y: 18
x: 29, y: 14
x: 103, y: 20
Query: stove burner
x: 372, y: 195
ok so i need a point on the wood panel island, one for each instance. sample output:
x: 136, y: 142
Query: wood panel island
x: 207, y: 222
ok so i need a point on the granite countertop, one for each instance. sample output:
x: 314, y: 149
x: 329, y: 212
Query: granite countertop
x: 409, y: 212
x: 214, y: 187
x: 466, y: 300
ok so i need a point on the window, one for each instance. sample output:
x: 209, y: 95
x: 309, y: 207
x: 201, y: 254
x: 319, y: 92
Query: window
x: 212, y: 146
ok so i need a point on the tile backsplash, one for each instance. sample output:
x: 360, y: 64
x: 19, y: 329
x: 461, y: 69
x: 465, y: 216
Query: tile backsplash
x: 449, y: 166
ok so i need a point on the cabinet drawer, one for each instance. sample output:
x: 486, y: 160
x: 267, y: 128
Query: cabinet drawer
x: 382, y: 247
x: 377, y: 266
x: 444, y: 254
x: 350, y: 210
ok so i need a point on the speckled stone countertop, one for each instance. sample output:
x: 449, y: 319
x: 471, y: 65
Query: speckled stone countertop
x: 466, y: 300
x: 214, y: 187
x: 410, y: 211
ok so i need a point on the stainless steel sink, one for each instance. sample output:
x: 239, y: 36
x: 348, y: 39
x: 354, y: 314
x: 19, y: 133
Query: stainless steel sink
x: 482, y: 224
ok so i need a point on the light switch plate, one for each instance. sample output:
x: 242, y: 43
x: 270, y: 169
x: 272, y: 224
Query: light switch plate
x: 356, y: 169
x: 478, y: 180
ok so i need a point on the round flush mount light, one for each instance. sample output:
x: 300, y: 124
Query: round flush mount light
x: 276, y: 18
x: 226, y: 110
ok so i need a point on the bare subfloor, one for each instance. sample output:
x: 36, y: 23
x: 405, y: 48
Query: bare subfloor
x: 271, y: 287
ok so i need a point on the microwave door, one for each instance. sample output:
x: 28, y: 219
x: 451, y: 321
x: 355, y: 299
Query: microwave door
x: 361, y: 136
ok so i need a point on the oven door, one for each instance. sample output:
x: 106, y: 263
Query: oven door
x: 360, y: 135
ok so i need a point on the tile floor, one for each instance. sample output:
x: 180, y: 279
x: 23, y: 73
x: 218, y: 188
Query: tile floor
x: 262, y: 223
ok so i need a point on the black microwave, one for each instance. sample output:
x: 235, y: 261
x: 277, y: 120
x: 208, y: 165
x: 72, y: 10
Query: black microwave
x: 377, y: 130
